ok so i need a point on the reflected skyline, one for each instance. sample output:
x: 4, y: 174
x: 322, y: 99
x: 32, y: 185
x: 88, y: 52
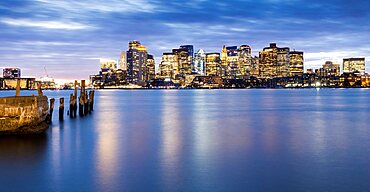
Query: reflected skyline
x: 199, y: 140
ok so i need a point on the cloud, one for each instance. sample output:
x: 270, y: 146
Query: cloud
x: 69, y: 33
x: 45, y: 24
x: 107, y: 6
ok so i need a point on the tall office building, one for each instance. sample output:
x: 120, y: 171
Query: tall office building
x: 150, y: 68
x: 168, y: 68
x: 199, y: 62
x: 274, y: 61
x: 245, y: 60
x: 232, y: 62
x: 224, y: 63
x: 190, y: 50
x: 213, y: 64
x: 296, y: 63
x: 351, y: 65
x: 12, y: 73
x: 136, y: 62
x: 184, y: 61
x: 123, y: 61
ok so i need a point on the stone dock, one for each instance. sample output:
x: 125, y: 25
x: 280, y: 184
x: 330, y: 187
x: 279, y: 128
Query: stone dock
x: 23, y: 114
x: 31, y: 114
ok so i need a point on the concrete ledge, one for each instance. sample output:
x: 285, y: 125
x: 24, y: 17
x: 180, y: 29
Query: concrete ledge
x: 22, y: 113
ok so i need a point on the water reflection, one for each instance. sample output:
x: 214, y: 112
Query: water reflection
x: 107, y: 144
x: 199, y: 140
x: 171, y: 140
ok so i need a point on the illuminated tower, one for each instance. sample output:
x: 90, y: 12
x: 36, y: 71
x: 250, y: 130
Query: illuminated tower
x: 245, y: 60
x: 123, y: 61
x: 199, y: 62
x: 351, y: 65
x: 184, y: 61
x: 136, y: 62
x: 296, y: 63
x: 190, y: 51
x: 274, y: 61
x: 232, y: 62
x: 169, y: 66
x: 213, y: 64
x: 223, y: 61
x: 150, y: 68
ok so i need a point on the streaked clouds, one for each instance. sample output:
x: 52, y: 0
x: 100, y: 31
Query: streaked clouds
x: 69, y: 36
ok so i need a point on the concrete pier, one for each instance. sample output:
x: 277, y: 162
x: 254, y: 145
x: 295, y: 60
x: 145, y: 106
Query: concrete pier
x: 23, y: 115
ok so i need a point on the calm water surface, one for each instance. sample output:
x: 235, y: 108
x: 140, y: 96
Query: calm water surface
x: 199, y: 140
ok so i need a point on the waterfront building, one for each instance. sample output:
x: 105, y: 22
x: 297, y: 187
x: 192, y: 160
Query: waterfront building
x: 296, y: 63
x: 274, y: 61
x: 331, y: 69
x: 136, y: 62
x: 168, y: 68
x: 213, y: 64
x: 184, y: 61
x: 244, y: 60
x: 199, y: 62
x: 224, y: 65
x: 108, y: 64
x: 12, y: 73
x: 123, y: 61
x: 11, y: 83
x: 190, y: 51
x: 254, y: 70
x: 351, y: 65
x: 232, y: 62
x: 150, y: 68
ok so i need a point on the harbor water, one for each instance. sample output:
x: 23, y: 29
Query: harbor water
x: 198, y: 140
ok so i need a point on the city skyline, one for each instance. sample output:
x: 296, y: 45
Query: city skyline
x: 66, y: 35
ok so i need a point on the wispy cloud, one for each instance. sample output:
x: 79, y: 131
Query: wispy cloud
x: 119, y: 6
x: 45, y: 24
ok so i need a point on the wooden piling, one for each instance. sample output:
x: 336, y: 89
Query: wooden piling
x: 82, y: 86
x: 86, y: 104
x: 81, y: 105
x: 18, y: 88
x: 74, y: 106
x: 71, y: 107
x: 75, y: 89
x: 61, y: 109
x: 51, y: 109
x: 39, y: 91
x: 91, y: 99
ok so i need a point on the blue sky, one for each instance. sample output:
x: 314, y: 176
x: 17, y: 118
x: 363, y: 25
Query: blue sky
x: 69, y: 37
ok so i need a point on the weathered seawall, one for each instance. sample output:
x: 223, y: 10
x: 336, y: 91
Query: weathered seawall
x: 23, y: 114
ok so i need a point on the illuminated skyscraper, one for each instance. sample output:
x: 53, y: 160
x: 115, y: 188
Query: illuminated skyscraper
x: 169, y: 66
x: 232, y: 62
x: 213, y: 64
x: 274, y: 61
x: 245, y: 60
x: 351, y: 65
x: 184, y: 61
x: 150, y: 68
x: 296, y: 63
x: 123, y: 61
x: 199, y: 62
x: 136, y: 62
x: 190, y: 50
x: 224, y: 66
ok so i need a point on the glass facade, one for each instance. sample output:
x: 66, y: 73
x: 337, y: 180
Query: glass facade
x: 351, y: 65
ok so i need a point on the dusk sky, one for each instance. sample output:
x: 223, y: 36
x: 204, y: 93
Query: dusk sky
x: 69, y: 37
